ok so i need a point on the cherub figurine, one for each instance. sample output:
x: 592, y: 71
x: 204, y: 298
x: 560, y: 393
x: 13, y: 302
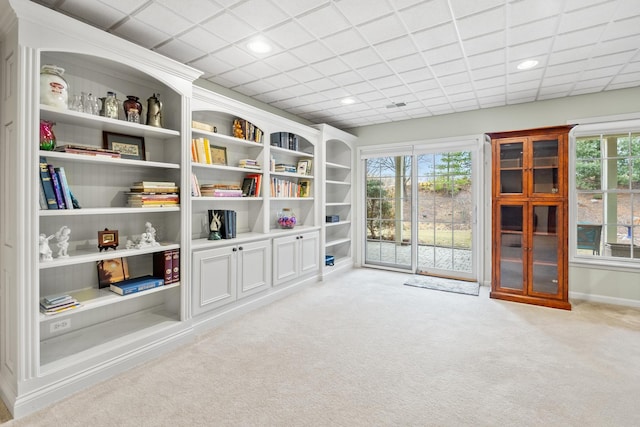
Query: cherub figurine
x: 46, y: 254
x: 151, y: 232
x: 62, y: 236
x: 214, y: 227
x: 148, y: 238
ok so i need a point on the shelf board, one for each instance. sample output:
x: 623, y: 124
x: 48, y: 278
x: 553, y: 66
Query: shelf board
x: 291, y: 198
x: 226, y: 139
x: 275, y: 149
x: 337, y: 204
x: 225, y: 199
x: 91, y: 298
x: 107, y: 211
x: 106, y: 160
x: 92, y: 255
x: 330, y: 165
x: 336, y: 242
x: 104, y: 123
x: 225, y: 168
x: 240, y: 238
x: 334, y: 224
x: 291, y: 175
x: 338, y: 183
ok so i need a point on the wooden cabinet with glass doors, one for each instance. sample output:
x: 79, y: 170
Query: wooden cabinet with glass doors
x: 529, y: 218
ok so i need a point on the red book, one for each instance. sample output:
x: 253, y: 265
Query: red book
x: 175, y: 264
x: 258, y: 178
x: 162, y: 266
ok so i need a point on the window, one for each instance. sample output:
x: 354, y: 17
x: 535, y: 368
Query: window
x: 607, y: 196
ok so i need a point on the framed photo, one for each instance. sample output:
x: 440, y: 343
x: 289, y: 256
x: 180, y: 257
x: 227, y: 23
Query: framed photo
x: 129, y: 147
x: 302, y: 167
x: 112, y: 271
x: 305, y: 187
x: 218, y: 155
x: 107, y: 239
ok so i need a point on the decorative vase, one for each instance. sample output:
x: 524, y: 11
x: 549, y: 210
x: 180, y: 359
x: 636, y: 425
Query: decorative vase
x: 154, y: 111
x: 132, y: 109
x: 47, y: 137
x: 286, y: 218
x: 54, y: 90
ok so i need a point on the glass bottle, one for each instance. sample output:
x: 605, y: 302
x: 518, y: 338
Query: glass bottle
x: 286, y: 218
x: 76, y: 104
x: 47, y: 137
x: 54, y: 89
x: 133, y: 106
x: 111, y: 106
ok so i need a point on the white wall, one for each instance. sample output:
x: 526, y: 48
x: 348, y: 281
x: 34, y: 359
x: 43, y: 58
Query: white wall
x: 585, y: 282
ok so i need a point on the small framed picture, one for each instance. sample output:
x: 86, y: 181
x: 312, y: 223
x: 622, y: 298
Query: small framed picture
x: 302, y: 167
x: 218, y: 155
x: 112, y: 271
x: 107, y: 239
x: 129, y: 147
x: 305, y: 187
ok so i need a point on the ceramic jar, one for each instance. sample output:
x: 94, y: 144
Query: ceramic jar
x: 286, y: 218
x: 111, y: 106
x: 132, y: 109
x: 54, y: 90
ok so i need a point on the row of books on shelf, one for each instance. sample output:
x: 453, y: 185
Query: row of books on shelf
x: 246, y: 130
x: 55, y: 192
x: 55, y: 304
x: 149, y: 194
x: 249, y: 164
x: 201, y: 151
x: 285, y: 140
x: 250, y: 187
x: 285, y: 188
x: 87, y: 150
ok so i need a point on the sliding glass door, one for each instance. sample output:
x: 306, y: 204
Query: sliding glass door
x: 420, y: 212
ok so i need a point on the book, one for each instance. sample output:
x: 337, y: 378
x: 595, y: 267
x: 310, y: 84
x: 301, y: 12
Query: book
x: 138, y: 284
x: 258, y: 182
x: 88, y: 150
x: 66, y: 192
x: 304, y: 188
x: 47, y: 184
x: 200, y: 151
x: 195, y: 186
x: 57, y: 188
x: 302, y: 167
x: 112, y: 271
x: 162, y: 265
x: 175, y: 265
x: 248, y: 187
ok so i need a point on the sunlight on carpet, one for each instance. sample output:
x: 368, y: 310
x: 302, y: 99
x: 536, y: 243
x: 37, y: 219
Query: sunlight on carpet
x: 446, y: 285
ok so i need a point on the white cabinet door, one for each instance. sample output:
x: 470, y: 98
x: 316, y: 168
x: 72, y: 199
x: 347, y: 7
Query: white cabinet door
x: 254, y: 267
x: 285, y: 259
x: 309, y: 252
x: 214, y: 278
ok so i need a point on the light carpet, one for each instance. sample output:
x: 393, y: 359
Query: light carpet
x: 364, y: 350
x: 442, y: 284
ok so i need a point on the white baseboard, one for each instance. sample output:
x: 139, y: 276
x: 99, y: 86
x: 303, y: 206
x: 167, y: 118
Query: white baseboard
x: 604, y: 299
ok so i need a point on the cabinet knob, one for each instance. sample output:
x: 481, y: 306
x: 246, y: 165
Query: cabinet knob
x: 234, y: 249
x: 301, y: 237
x: 297, y: 237
x: 240, y: 248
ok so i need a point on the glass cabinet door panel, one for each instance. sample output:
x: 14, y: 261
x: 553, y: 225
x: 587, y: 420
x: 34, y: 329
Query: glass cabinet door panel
x: 511, y: 163
x: 545, y: 249
x: 545, y: 166
x: 511, y: 218
x: 512, y: 255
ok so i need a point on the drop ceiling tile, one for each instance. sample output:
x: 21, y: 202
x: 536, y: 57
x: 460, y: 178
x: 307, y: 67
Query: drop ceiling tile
x: 465, y: 106
x: 235, y: 56
x: 391, y: 49
x: 587, y: 17
x: 220, y: 81
x: 321, y: 84
x: 536, y: 49
x: 495, y: 57
x: 345, y: 41
x: 464, y: 88
x: 623, y: 85
x: 533, y: 31
x: 490, y: 83
x: 399, y: 94
x: 443, y: 54
x: 305, y: 74
x: 284, y: 62
x: 259, y: 14
x: 579, y: 38
x: 312, y: 52
x: 359, y: 11
x: 595, y: 84
x: 297, y: 7
x: 619, y: 45
x: 622, y: 28
x: 488, y: 72
x: 228, y: 27
x: 583, y: 91
x: 463, y: 8
x: 212, y: 65
x: 386, y: 82
x: 331, y: 66
x: 180, y: 51
x: 361, y: 58
x: 606, y: 72
x: 382, y: 29
x: 626, y: 78
x: 347, y: 78
x: 455, y: 79
x: 195, y: 11
x: 125, y: 6
x: 260, y: 69
x: 312, y: 98
x: 132, y: 29
x: 486, y: 22
x: 570, y: 55
x: 238, y: 77
x: 358, y: 88
x: 526, y: 75
x: 101, y: 15
x: 632, y: 67
x: 435, y: 37
x: 491, y: 92
x: 609, y: 60
x: 522, y: 12
x: 447, y: 68
x: 441, y: 109
x: 324, y: 21
x: 280, y: 80
x: 375, y: 71
x: 423, y: 85
x: 485, y: 43
x: 288, y: 35
x: 492, y: 101
x: 426, y: 14
x: 462, y: 97
x: 408, y: 63
x: 434, y: 95
x: 519, y: 97
x: 563, y: 79
x: 417, y: 75
x: 522, y: 86
x: 554, y: 91
x: 371, y: 96
x: 202, y: 39
x: 626, y: 8
x: 159, y: 17
x: 300, y: 90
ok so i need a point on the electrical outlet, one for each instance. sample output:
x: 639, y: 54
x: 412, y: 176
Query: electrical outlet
x: 60, y: 325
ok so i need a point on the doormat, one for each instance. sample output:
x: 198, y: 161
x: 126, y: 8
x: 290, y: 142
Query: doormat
x: 446, y: 285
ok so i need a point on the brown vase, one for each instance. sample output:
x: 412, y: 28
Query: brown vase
x: 132, y: 103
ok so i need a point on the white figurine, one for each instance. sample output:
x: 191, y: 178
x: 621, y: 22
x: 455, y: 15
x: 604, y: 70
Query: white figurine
x: 46, y: 254
x: 148, y: 238
x: 62, y: 236
x: 151, y: 233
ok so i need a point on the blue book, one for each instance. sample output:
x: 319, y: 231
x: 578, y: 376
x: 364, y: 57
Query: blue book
x: 47, y: 185
x: 57, y: 188
x: 64, y: 184
x: 138, y: 284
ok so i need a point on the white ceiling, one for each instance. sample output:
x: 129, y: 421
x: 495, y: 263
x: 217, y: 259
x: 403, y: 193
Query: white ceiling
x: 437, y: 56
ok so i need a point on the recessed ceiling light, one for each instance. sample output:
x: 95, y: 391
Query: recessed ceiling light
x: 259, y: 46
x: 348, y: 101
x: 529, y: 63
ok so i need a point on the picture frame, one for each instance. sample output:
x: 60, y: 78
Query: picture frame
x: 302, y: 167
x: 107, y: 239
x: 129, y: 146
x: 112, y: 271
x: 218, y: 155
x: 305, y: 187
